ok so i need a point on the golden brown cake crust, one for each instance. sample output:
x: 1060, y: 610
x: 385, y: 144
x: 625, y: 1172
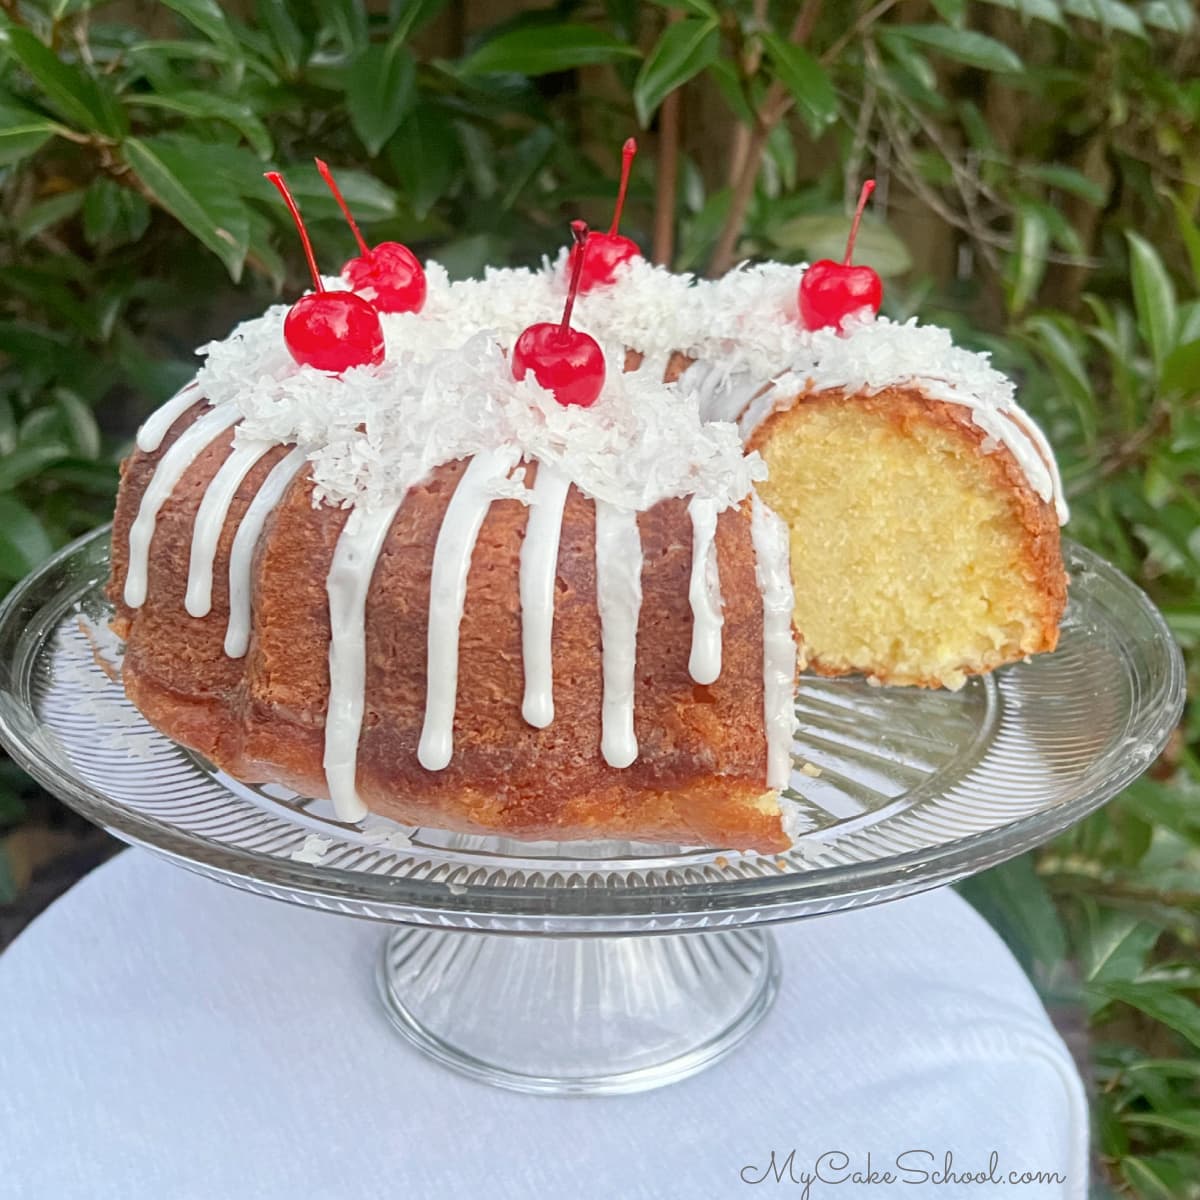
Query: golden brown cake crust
x: 1041, y: 547
x: 700, y: 774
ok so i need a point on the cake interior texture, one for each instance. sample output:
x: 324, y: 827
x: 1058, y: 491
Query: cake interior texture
x: 919, y: 555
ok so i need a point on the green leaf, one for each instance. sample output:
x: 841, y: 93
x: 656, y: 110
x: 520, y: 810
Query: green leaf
x: 30, y: 344
x: 26, y: 461
x: 196, y: 199
x: 1038, y: 10
x: 211, y: 106
x: 206, y: 16
x: 1068, y: 368
x: 1160, y: 1002
x: 46, y: 213
x: 724, y: 75
x: 347, y: 20
x: 1153, y: 298
x: 1068, y: 179
x: 1028, y: 263
x: 425, y: 156
x: 1158, y: 1177
x: 78, y: 97
x: 22, y: 131
x: 962, y: 45
x: 805, y: 79
x: 524, y: 161
x: 541, y: 49
x: 24, y: 543
x: 1175, y: 16
x: 78, y: 422
x: 1111, y: 14
x: 953, y: 12
x: 682, y: 52
x: 1181, y: 371
x: 275, y: 16
x: 413, y: 15
x: 113, y: 215
x: 1113, y: 946
x: 1190, y: 232
x: 379, y: 91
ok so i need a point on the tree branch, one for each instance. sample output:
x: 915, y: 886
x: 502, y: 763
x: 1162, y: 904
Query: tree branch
x: 666, y: 184
x: 775, y: 105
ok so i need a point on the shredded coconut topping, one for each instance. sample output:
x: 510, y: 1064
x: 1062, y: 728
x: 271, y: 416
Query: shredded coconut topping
x: 748, y: 316
x: 743, y: 329
x: 374, y: 432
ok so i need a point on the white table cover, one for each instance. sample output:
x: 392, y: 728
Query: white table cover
x: 165, y: 1038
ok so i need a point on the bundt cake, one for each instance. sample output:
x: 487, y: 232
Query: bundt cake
x: 924, y: 504
x: 428, y: 590
x: 355, y: 555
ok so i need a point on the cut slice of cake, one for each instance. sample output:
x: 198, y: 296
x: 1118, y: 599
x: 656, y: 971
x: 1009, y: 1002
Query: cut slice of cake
x: 924, y: 507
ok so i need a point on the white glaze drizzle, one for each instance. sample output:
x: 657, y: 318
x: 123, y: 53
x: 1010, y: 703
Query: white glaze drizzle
x: 156, y: 425
x: 722, y: 391
x: 210, y: 521
x: 619, y: 600
x: 773, y: 570
x: 465, y: 514
x: 539, y: 570
x: 349, y: 580
x: 245, y: 541
x: 762, y: 406
x: 704, y: 593
x: 169, y: 470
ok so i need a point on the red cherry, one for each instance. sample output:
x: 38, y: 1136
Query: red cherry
x: 830, y: 292
x: 563, y: 360
x: 389, y: 274
x: 331, y: 331
x: 607, y: 251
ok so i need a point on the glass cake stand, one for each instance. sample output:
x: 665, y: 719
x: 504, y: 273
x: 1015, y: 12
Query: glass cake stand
x: 612, y: 967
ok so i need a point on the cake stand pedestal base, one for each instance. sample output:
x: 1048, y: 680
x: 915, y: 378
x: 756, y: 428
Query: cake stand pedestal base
x: 577, y: 1015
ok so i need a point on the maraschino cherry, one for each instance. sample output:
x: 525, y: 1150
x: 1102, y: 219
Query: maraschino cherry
x: 389, y: 274
x: 607, y: 251
x: 331, y: 331
x: 830, y: 291
x: 563, y: 360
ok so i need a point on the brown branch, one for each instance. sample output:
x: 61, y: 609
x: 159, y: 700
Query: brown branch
x: 666, y: 185
x: 775, y: 104
x: 860, y: 26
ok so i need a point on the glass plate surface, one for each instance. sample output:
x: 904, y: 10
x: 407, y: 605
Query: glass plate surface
x: 897, y: 789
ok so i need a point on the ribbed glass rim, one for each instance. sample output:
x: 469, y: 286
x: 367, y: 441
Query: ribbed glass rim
x: 35, y: 607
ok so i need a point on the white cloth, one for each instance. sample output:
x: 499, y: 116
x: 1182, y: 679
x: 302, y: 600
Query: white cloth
x: 164, y: 1038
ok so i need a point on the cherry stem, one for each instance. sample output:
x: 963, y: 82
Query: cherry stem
x: 867, y: 188
x: 277, y: 180
x: 579, y: 231
x: 327, y: 175
x: 627, y: 153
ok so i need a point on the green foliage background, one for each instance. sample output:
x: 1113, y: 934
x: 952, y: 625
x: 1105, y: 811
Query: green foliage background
x: 1039, y: 167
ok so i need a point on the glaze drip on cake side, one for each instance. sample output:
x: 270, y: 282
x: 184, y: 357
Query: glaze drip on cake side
x: 369, y: 436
